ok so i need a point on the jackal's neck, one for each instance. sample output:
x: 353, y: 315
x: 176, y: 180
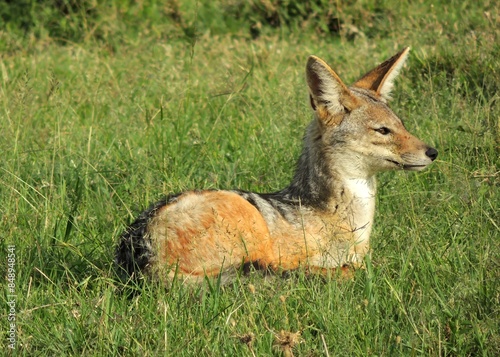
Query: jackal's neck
x: 324, y: 178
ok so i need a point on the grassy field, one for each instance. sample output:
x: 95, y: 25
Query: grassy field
x: 104, y: 109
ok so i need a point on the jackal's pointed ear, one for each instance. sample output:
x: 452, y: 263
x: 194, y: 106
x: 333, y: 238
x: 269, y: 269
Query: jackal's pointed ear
x: 327, y: 91
x: 381, y: 78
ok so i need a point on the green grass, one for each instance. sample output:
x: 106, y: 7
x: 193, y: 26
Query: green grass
x: 136, y: 105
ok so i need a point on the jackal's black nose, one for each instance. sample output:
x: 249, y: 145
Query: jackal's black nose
x: 431, y: 153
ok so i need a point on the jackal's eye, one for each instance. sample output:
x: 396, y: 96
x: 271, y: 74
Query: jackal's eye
x: 383, y: 130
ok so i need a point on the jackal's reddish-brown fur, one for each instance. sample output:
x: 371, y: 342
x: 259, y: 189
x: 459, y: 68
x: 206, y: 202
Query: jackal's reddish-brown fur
x: 321, y: 221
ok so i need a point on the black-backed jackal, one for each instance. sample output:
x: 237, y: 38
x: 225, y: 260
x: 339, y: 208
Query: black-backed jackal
x: 321, y: 221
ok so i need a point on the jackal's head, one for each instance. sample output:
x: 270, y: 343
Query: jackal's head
x: 355, y: 125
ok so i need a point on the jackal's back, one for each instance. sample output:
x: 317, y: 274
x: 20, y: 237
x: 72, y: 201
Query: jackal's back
x: 194, y: 234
